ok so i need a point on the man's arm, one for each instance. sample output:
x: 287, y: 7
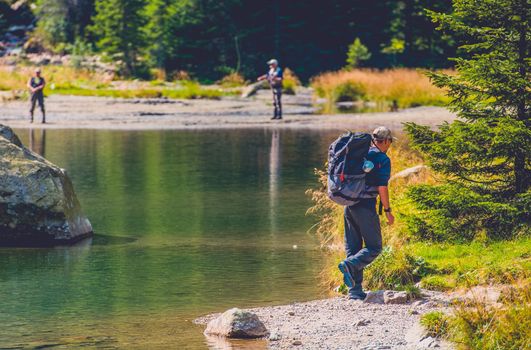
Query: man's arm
x: 383, y: 191
x: 262, y: 77
x: 29, y: 86
x: 41, y: 85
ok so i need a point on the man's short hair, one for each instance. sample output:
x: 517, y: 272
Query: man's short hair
x: 382, y: 133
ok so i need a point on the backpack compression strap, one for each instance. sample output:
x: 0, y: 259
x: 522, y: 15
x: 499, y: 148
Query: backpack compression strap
x: 342, y: 174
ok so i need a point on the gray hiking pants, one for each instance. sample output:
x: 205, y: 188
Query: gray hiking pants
x: 362, y: 227
x: 277, y: 102
x: 35, y: 98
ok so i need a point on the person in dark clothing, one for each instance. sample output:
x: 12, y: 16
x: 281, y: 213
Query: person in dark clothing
x: 274, y: 78
x: 362, y: 225
x: 36, y: 84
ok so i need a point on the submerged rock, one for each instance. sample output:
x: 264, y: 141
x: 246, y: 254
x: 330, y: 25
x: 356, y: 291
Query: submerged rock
x: 38, y: 206
x: 236, y: 323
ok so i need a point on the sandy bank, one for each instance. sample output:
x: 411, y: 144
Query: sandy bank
x: 64, y: 112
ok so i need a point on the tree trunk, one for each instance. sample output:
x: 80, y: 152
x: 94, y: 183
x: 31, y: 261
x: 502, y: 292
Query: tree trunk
x: 522, y: 176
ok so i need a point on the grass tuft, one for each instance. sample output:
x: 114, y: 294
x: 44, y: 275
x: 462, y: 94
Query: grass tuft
x: 436, y: 323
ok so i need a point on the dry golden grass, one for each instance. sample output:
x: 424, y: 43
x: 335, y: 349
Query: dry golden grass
x: 16, y: 77
x: 408, y: 87
x: 82, y: 82
x: 479, y: 325
x: 232, y: 80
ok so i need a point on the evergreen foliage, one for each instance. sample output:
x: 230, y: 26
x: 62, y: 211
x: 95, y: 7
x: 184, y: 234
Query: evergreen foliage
x: 210, y: 38
x: 118, y: 28
x: 62, y: 22
x: 485, y: 154
x: 357, y: 52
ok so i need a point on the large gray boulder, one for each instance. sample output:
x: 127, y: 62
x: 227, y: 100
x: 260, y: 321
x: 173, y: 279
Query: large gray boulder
x: 38, y: 206
x: 236, y: 323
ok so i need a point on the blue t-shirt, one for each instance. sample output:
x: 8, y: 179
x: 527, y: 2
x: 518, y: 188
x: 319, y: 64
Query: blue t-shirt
x: 379, y: 176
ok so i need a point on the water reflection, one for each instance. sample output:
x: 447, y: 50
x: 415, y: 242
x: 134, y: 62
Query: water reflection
x: 274, y: 178
x: 198, y: 210
x: 219, y: 343
x: 37, y: 141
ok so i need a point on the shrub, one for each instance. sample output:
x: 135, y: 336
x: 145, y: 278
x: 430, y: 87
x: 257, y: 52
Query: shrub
x: 348, y: 91
x: 233, y: 79
x: 290, y: 82
x: 181, y: 75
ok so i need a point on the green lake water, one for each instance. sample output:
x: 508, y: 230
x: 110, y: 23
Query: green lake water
x: 186, y: 223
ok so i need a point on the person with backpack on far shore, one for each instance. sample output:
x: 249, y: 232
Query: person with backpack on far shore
x: 274, y: 78
x: 359, y: 172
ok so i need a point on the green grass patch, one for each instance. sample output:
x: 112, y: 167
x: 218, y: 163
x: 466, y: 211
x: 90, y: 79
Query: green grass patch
x: 395, y: 269
x: 438, y: 282
x: 187, y: 91
x: 474, y: 263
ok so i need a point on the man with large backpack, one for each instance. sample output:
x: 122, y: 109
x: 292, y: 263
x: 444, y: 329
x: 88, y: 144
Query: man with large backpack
x: 363, y: 237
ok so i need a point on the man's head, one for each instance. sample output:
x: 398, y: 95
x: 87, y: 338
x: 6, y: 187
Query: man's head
x: 382, y: 138
x: 272, y: 63
x: 37, y: 72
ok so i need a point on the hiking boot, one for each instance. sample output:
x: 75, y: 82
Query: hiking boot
x: 357, y: 294
x: 347, y: 275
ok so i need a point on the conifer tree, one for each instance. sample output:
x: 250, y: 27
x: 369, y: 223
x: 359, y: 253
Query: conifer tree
x: 357, y: 52
x: 118, y: 27
x: 485, y: 153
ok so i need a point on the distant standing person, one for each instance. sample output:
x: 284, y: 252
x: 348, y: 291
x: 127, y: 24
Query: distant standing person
x: 274, y: 78
x: 36, y: 84
x: 363, y: 236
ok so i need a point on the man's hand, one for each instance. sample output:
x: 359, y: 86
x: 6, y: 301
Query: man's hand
x: 390, y: 218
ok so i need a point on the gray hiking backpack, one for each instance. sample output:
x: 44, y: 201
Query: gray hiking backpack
x: 347, y: 167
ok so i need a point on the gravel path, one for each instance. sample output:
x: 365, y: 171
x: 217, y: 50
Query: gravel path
x: 230, y: 112
x: 339, y: 323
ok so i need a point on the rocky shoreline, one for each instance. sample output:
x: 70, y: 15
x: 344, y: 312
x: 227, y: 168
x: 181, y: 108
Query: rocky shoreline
x: 88, y: 112
x: 339, y: 323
